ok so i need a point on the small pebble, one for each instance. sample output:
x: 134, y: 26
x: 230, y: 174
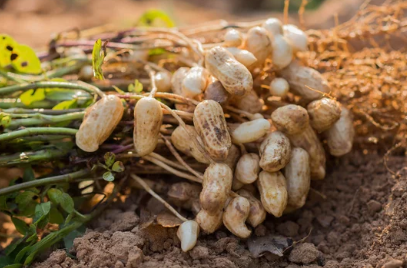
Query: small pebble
x: 304, y: 253
x: 373, y: 206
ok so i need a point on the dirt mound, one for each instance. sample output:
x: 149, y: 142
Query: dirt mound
x: 355, y: 218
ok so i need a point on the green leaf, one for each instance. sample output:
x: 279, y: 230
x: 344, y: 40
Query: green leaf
x: 41, y: 216
x: 5, y: 120
x: 65, y: 105
x: 28, y: 174
x: 32, y: 95
x: 156, y: 51
x: 98, y: 55
x: 7, y: 44
x: 155, y: 18
x: 68, y: 240
x: 55, y: 195
x: 55, y: 216
x: 32, y: 234
x: 16, y: 265
x: 5, y: 260
x: 137, y: 87
x: 109, y: 159
x: 13, y: 246
x: 118, y: 166
x: 108, y: 176
x: 67, y: 203
x: 24, y: 60
x: 26, y: 202
x: 20, y: 225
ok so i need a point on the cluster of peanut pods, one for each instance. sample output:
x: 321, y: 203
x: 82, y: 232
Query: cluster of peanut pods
x: 256, y: 166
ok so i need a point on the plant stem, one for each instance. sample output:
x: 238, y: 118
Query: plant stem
x: 51, y: 180
x: 37, y: 131
x: 41, y: 119
x: 21, y: 112
x: 29, y: 157
x: 67, y: 85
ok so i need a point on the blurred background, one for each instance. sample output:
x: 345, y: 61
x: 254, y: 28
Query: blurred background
x: 34, y: 21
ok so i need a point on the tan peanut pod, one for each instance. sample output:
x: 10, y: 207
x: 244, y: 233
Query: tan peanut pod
x: 250, y: 103
x: 257, y: 212
x: 250, y: 131
x: 177, y: 78
x: 275, y: 152
x: 216, y: 92
x: 235, y: 216
x: 233, y: 38
x: 340, y: 135
x: 293, y: 120
x: 273, y: 26
x: 298, y: 38
x: 323, y: 113
x: 210, y: 124
x: 304, y: 81
x: 273, y: 192
x: 184, y: 194
x: 279, y: 87
x: 259, y: 44
x: 298, y: 177
x: 282, y: 52
x: 163, y: 81
x: 195, y: 82
x: 234, y: 76
x: 99, y: 122
x: 216, y: 186
x: 236, y: 184
x: 247, y: 168
x: 243, y: 56
x: 147, y: 122
x: 209, y: 223
x: 182, y: 141
x: 233, y: 157
x: 188, y: 233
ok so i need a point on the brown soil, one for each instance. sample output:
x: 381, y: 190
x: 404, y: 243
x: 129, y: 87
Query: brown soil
x: 356, y: 217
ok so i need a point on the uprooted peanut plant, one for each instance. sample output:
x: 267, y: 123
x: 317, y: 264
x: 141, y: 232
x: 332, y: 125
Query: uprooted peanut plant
x: 229, y: 113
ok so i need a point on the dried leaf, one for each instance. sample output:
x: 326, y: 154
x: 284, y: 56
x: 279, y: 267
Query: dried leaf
x: 146, y: 218
x: 98, y: 56
x: 168, y: 220
x: 272, y: 243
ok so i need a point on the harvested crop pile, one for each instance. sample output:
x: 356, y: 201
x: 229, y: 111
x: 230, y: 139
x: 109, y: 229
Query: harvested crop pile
x: 247, y: 110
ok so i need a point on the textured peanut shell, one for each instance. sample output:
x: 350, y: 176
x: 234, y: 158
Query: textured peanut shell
x: 233, y: 157
x: 209, y: 223
x: 250, y: 131
x: 235, y: 216
x: 308, y: 140
x: 275, y: 152
x: 247, y: 168
x: 210, y: 124
x: 99, y: 122
x: 340, y: 135
x: 290, y: 119
x: 273, y: 192
x: 304, y: 81
x: 250, y: 103
x: 233, y: 75
x: 323, y: 113
x: 259, y: 44
x: 216, y: 92
x: 147, y: 122
x: 298, y: 177
x: 216, y: 186
x: 257, y: 212
x: 177, y: 78
x: 182, y: 141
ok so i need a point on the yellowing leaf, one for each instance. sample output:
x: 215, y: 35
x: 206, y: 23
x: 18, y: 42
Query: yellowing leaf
x: 65, y: 105
x: 98, y: 55
x: 155, y: 18
x: 7, y: 45
x: 137, y: 87
x: 32, y: 95
x: 24, y: 60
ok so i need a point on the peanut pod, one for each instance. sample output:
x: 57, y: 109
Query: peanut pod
x: 247, y: 168
x: 250, y: 131
x: 235, y: 216
x: 275, y: 151
x: 182, y: 141
x: 340, y: 135
x: 257, y: 212
x: 273, y: 192
x: 209, y: 223
x: 323, y: 113
x: 188, y: 233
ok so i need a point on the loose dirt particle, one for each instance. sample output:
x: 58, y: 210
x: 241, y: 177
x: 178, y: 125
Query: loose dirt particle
x: 304, y: 253
x: 374, y: 206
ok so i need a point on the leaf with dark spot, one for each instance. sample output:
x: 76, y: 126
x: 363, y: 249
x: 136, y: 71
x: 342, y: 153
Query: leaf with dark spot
x: 272, y: 243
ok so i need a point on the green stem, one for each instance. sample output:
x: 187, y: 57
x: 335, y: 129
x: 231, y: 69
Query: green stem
x: 21, y: 112
x: 40, y: 182
x: 29, y: 157
x: 41, y: 119
x: 6, y: 103
x: 37, y: 131
x: 67, y: 85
